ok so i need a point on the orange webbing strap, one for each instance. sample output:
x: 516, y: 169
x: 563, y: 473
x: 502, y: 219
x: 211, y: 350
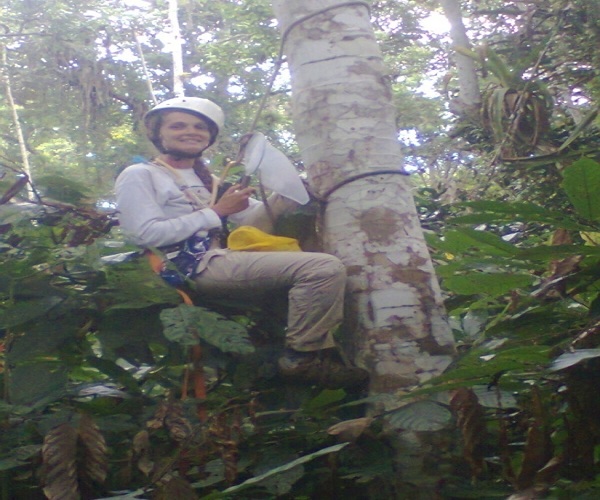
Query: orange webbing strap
x: 195, y: 372
x: 157, y: 264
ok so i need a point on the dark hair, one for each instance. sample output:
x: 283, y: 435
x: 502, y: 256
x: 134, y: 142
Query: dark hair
x: 203, y: 173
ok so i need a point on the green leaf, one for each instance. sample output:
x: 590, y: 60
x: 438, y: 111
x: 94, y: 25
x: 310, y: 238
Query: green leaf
x: 19, y: 456
x: 555, y: 252
x: 62, y: 188
x: 35, y: 382
x: 421, y: 416
x: 133, y: 285
x: 492, y: 284
x: 479, y: 366
x: 324, y: 399
x: 581, y: 182
x: 282, y: 483
x: 116, y: 372
x: 140, y: 494
x: 581, y: 127
x: 494, y: 398
x: 278, y: 470
x: 489, y: 212
x: 462, y: 240
x: 187, y: 324
x: 27, y: 310
x: 507, y: 208
x: 569, y: 359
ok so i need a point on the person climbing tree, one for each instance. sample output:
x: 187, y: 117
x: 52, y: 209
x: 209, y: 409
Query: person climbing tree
x: 167, y: 203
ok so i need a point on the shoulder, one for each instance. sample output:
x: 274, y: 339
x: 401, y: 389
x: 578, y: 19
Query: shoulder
x: 140, y: 176
x: 136, y: 168
x: 139, y: 171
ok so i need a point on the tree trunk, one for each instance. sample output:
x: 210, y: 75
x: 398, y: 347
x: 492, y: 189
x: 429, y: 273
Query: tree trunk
x: 4, y: 73
x: 345, y: 126
x: 176, y: 51
x: 468, y: 103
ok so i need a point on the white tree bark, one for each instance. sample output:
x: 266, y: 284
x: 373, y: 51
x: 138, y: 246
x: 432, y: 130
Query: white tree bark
x: 176, y: 51
x: 4, y: 73
x: 345, y: 125
x: 469, y: 100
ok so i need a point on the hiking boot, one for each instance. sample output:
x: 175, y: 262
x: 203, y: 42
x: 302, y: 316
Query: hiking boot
x: 322, y: 368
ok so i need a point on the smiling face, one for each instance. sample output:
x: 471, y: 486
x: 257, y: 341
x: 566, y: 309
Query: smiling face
x: 184, y: 135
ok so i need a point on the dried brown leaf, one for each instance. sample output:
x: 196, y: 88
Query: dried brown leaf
x: 141, y: 442
x: 59, y: 455
x: 350, y: 430
x: 538, y: 451
x: 178, y: 426
x: 589, y: 338
x: 145, y: 465
x: 538, y: 445
x: 471, y: 422
x: 176, y: 488
x: 93, y: 451
x: 141, y: 449
x: 547, y: 474
x: 534, y: 493
x: 157, y: 420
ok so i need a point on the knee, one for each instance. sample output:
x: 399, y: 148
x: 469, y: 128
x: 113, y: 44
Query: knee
x: 331, y: 266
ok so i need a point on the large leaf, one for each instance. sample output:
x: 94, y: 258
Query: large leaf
x: 36, y: 382
x: 187, y: 324
x: 116, y: 372
x: 581, y: 182
x: 555, y: 252
x: 126, y: 333
x: 488, y: 212
x: 37, y: 372
x: 60, y: 463
x: 492, y: 397
x: 93, y: 456
x: 18, y: 457
x: 133, y: 285
x: 569, y: 359
x: 462, y: 240
x: 278, y: 470
x: 492, y: 284
x: 420, y: 416
x: 62, y: 188
x: 27, y: 310
x: 480, y: 366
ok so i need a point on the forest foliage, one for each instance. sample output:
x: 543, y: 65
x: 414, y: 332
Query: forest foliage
x: 113, y: 388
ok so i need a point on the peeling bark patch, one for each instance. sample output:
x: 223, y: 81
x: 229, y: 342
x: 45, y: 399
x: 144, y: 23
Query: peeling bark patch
x: 363, y: 68
x: 412, y: 276
x: 431, y: 346
x: 354, y: 270
x: 379, y: 224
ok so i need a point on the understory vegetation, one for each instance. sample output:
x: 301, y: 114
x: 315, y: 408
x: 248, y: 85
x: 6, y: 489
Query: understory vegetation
x: 114, y: 388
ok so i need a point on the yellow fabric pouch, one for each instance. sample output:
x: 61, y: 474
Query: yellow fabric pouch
x: 251, y: 239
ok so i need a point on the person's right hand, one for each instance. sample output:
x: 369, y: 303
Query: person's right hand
x: 234, y: 200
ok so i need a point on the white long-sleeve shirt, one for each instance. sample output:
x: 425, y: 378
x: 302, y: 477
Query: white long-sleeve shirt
x: 154, y: 211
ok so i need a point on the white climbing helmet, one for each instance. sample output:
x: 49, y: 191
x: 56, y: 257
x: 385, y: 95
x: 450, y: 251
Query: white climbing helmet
x: 197, y: 105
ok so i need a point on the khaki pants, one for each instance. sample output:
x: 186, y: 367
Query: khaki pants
x: 315, y: 284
